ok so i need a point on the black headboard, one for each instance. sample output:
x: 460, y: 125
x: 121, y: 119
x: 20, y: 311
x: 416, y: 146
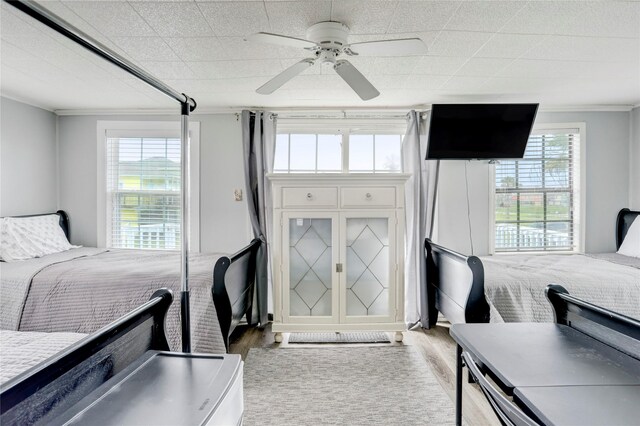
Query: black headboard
x: 64, y: 221
x: 623, y: 223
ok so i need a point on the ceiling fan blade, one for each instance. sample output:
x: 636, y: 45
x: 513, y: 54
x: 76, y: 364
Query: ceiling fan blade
x: 286, y: 75
x: 356, y: 80
x: 280, y: 39
x: 400, y: 47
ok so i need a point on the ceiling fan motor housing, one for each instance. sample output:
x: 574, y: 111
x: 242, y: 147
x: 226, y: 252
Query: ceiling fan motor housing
x: 329, y: 35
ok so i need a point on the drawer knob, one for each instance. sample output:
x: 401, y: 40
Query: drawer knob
x: 309, y: 196
x: 368, y: 195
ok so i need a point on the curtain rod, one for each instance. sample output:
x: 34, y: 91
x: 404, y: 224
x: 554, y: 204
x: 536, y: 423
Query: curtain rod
x: 59, y: 25
x: 338, y: 114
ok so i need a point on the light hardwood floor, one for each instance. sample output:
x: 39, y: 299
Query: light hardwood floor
x: 436, y: 347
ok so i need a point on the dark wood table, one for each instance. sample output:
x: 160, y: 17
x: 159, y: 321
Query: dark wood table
x: 526, y: 359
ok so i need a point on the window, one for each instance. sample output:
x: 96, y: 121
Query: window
x: 143, y: 190
x: 375, y: 153
x: 537, y: 198
x: 325, y: 153
x: 142, y: 185
x: 318, y: 153
x: 339, y: 145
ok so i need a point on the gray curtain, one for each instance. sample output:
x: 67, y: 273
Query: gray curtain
x: 420, y: 199
x: 258, y: 139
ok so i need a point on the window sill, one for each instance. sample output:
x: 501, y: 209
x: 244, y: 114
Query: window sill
x: 328, y: 177
x: 535, y: 253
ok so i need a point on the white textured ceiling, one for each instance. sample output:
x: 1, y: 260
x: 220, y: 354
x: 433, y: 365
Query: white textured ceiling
x: 554, y: 52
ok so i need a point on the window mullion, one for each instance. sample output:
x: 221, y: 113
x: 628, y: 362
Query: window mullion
x: 373, y: 148
x: 141, y: 157
x: 345, y: 150
x: 289, y: 153
x: 316, y: 169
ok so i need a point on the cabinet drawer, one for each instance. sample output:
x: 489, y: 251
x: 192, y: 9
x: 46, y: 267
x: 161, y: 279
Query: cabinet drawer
x: 368, y: 197
x: 309, y: 197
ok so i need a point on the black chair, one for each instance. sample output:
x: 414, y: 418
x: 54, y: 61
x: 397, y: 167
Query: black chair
x: 508, y: 413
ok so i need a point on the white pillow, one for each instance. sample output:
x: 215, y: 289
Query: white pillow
x: 24, y: 238
x: 631, y: 244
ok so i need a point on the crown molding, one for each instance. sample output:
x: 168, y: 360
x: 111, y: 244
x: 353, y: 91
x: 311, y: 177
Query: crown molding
x: 27, y: 102
x: 586, y: 108
x: 129, y: 111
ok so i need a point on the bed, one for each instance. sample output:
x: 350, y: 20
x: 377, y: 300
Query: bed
x: 50, y: 387
x: 82, y: 289
x: 510, y: 288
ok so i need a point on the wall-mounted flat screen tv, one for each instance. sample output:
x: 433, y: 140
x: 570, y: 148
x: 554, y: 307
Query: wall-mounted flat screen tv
x: 479, y: 131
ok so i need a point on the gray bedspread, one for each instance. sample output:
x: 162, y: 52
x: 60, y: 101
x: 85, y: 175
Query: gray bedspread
x: 86, y: 293
x: 16, y: 279
x: 20, y: 351
x: 514, y: 284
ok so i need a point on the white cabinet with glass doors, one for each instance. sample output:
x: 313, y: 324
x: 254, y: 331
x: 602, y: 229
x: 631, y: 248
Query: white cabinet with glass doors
x: 338, y: 253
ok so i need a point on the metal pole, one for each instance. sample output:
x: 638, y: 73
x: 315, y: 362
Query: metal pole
x: 61, y: 26
x: 458, y: 385
x: 184, y: 229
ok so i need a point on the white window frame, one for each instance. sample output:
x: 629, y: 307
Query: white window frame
x: 153, y: 128
x: 580, y: 174
x: 344, y: 127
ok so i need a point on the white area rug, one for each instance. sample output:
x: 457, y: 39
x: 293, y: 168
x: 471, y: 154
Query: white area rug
x: 376, y: 385
x: 360, y: 337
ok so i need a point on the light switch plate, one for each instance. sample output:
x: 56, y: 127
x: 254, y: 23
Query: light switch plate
x: 237, y: 193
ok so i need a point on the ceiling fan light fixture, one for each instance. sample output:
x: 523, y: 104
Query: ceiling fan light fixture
x: 327, y: 58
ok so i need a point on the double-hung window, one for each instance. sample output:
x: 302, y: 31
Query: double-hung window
x: 141, y: 184
x: 538, y: 198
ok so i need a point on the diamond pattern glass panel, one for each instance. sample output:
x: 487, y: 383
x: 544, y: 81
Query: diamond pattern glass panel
x: 310, y: 267
x: 367, y: 266
x: 355, y: 267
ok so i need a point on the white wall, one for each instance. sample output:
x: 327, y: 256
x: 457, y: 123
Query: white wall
x: 28, y: 182
x: 634, y: 190
x: 607, y: 186
x: 224, y: 223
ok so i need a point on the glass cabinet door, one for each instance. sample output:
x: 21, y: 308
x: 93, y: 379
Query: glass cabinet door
x: 311, y: 248
x: 368, y: 278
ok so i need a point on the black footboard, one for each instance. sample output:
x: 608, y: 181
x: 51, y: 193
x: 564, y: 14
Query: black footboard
x: 455, y: 285
x: 48, y: 389
x: 614, y: 329
x: 233, y: 287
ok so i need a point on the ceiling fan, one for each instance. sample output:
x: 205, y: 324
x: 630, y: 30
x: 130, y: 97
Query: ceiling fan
x: 327, y: 41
